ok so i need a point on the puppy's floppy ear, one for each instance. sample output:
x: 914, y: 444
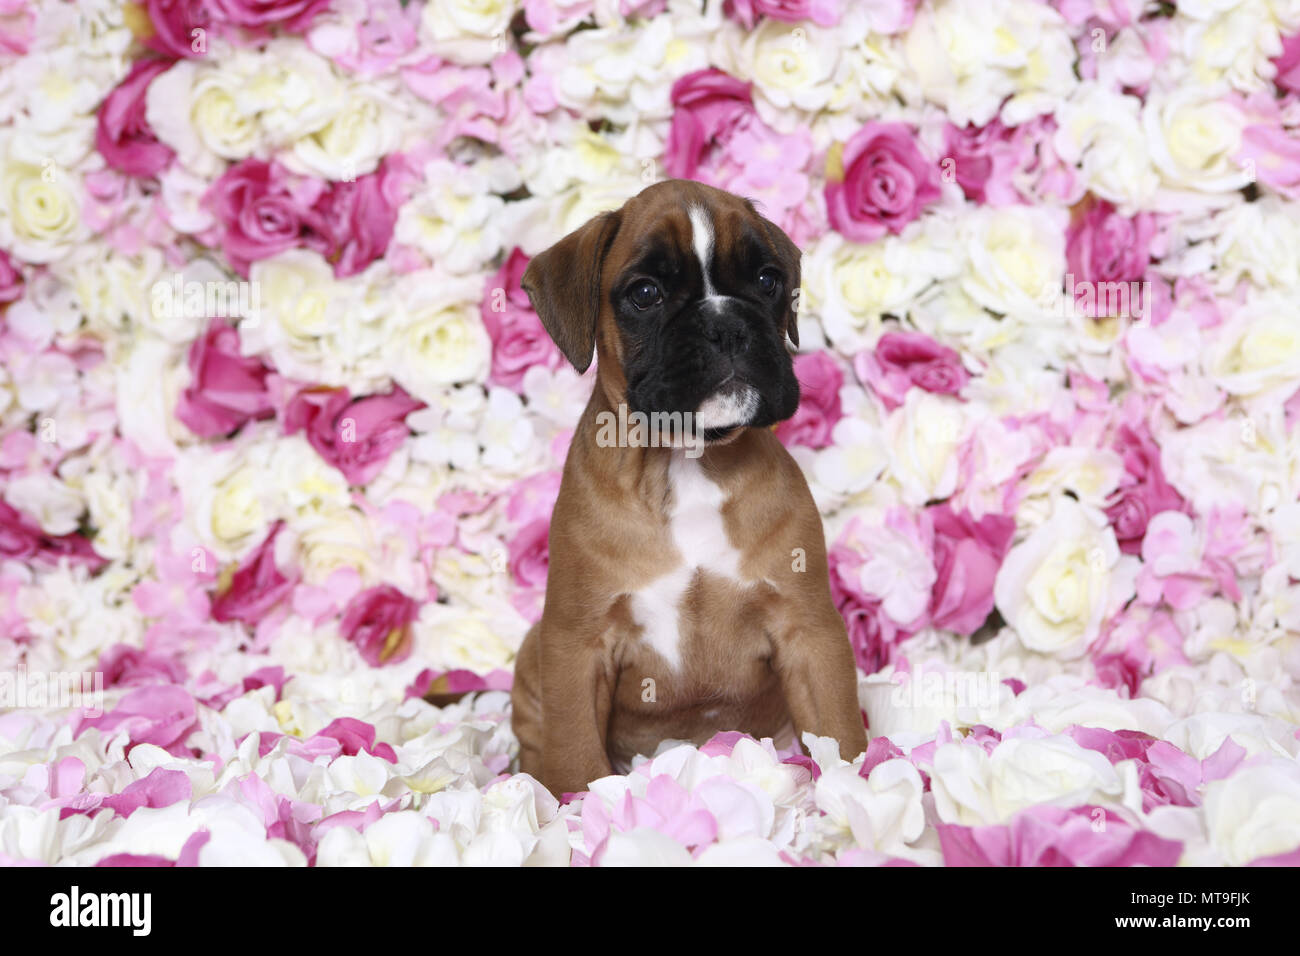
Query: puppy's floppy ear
x: 563, y: 284
x: 790, y: 257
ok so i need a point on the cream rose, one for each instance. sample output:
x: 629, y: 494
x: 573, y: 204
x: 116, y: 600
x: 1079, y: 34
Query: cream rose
x: 1057, y: 587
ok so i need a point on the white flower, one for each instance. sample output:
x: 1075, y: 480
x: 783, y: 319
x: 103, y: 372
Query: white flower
x: 437, y: 337
x: 1100, y: 130
x: 974, y: 788
x: 1255, y: 812
x: 1058, y: 586
x: 1193, y: 142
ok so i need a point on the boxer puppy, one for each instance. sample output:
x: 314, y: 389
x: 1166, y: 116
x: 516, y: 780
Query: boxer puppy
x: 688, y: 590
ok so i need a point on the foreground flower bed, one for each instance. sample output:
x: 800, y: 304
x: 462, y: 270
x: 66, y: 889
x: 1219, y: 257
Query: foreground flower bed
x: 280, y: 434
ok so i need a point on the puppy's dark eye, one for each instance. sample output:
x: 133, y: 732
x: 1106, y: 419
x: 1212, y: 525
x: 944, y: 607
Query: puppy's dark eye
x: 645, y: 294
x: 769, y: 280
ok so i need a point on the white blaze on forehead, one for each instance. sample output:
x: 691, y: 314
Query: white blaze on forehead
x: 702, y: 243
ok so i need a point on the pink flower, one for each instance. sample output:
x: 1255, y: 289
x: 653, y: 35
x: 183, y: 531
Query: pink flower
x: 1054, y: 836
x: 124, y: 665
x: 356, y: 736
x: 985, y: 159
x: 294, y: 16
x: 884, y: 183
x: 1269, y: 147
x: 708, y: 106
x: 667, y: 807
x: 824, y: 13
x: 518, y: 339
x: 904, y: 359
x: 357, y: 437
x: 255, y: 587
x: 1103, y: 246
x: 161, y: 714
x: 967, y: 556
x: 122, y: 133
x: 378, y: 621
x: 820, y: 380
x: 262, y: 211
x: 227, y: 389
x: 1143, y: 490
x: 1288, y: 64
x: 528, y: 554
x: 360, y: 217
x: 11, y: 279
x: 873, y: 635
x: 22, y: 538
x: 180, y: 27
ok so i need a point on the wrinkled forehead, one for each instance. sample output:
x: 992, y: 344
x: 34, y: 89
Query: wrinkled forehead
x: 670, y: 231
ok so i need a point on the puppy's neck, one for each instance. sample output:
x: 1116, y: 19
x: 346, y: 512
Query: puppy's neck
x: 639, y: 463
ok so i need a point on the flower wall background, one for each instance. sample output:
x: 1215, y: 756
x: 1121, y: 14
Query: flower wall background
x: 280, y: 434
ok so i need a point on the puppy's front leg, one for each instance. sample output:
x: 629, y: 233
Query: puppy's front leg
x: 577, y: 692
x: 814, y: 662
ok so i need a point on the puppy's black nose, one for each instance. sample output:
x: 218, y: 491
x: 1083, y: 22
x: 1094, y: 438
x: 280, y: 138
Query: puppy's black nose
x: 728, y: 335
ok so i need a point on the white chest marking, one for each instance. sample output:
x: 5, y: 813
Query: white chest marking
x: 702, y: 242
x: 698, y: 531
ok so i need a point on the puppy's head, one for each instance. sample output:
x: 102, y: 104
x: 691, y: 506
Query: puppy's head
x: 687, y: 295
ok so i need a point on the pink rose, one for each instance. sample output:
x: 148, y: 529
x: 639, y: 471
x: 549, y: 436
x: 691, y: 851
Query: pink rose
x: 820, y: 380
x: 885, y: 183
x: 357, y: 437
x: 1143, y: 490
x: 124, y: 666
x: 872, y: 634
x: 708, y: 107
x: 967, y: 556
x: 904, y: 359
x: 122, y: 134
x: 378, y: 621
x: 985, y: 160
x: 359, y: 216
x: 1103, y: 246
x: 263, y: 211
x: 292, y: 15
x: 180, y: 27
x: 227, y: 388
x: 518, y: 339
x: 529, y: 554
x: 11, y: 279
x: 1288, y: 64
x: 824, y: 13
x: 256, y: 586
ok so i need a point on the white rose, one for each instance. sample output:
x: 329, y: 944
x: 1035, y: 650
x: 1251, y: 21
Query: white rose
x: 1017, y: 262
x: 923, y: 436
x: 467, y: 31
x: 40, y: 207
x: 1058, y: 586
x: 1255, y: 812
x: 195, y: 108
x: 973, y: 788
x: 1193, y: 142
x: 1257, y: 352
x: 365, y: 128
x: 790, y: 64
x: 438, y: 336
x: 1100, y: 130
x: 970, y: 57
